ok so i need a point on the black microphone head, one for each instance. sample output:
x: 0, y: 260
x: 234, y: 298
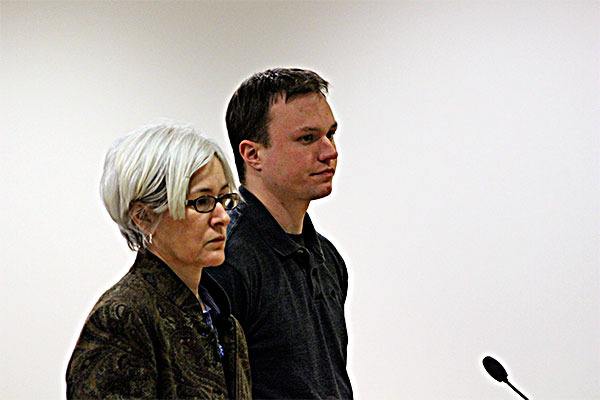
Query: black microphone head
x: 495, y: 369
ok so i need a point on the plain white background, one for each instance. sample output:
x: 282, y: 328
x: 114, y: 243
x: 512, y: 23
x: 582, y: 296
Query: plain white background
x: 466, y: 201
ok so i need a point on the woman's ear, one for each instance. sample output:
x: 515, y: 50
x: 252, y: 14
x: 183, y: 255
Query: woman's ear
x: 142, y: 217
x: 249, y: 151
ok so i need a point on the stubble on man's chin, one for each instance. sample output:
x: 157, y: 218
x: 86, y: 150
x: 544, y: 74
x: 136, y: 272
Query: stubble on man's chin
x: 322, y: 194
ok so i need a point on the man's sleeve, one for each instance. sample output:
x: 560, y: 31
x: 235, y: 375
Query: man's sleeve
x: 340, y: 266
x: 113, y: 357
x: 343, y: 273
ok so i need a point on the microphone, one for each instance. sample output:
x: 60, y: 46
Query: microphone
x: 497, y: 371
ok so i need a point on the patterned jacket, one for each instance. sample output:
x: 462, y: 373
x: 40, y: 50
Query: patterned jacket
x: 147, y: 338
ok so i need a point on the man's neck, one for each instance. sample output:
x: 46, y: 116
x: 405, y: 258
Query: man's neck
x: 287, y: 212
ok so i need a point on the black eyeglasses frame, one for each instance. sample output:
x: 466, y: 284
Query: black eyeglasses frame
x: 218, y: 199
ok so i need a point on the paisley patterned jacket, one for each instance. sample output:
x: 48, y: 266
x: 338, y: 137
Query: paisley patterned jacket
x: 146, y: 338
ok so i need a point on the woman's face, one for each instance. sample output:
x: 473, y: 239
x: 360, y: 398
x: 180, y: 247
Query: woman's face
x: 199, y: 239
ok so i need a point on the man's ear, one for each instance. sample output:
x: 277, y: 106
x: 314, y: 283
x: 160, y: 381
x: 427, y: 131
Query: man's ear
x: 142, y: 217
x: 249, y: 151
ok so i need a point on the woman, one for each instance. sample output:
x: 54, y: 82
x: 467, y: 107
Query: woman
x: 164, y: 330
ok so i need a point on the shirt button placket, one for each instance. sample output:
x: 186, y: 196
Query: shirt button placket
x: 314, y: 276
x: 304, y: 260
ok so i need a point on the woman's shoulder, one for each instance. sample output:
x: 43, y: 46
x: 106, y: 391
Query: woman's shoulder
x: 129, y: 300
x: 113, y: 354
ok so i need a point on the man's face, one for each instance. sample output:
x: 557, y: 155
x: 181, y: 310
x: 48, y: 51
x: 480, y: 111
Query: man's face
x: 300, y: 162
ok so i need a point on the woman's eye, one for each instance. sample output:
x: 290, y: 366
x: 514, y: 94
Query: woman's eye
x: 203, y: 202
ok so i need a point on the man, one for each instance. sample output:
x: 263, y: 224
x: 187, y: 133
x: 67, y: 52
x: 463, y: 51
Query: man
x: 286, y: 282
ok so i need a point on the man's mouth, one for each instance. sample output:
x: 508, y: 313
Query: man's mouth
x: 325, y: 172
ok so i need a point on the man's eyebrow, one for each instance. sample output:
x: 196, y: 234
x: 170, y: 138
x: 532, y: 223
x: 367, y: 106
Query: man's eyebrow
x: 314, y: 129
x: 208, y: 190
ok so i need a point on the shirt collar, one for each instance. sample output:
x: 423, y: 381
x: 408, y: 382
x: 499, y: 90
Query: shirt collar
x: 209, y: 304
x: 162, y: 278
x: 272, y: 232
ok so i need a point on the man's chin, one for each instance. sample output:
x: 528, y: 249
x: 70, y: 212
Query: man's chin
x: 322, y: 193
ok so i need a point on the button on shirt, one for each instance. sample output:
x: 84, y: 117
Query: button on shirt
x: 289, y: 299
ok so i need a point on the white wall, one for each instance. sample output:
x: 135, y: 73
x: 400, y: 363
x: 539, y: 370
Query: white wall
x: 466, y: 203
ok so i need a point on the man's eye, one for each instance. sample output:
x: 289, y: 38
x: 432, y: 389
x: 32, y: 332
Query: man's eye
x: 307, y: 138
x: 330, y: 135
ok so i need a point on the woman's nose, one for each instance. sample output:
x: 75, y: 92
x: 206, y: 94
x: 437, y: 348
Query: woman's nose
x: 219, y: 215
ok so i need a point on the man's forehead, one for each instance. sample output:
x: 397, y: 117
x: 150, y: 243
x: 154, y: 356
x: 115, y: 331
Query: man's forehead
x: 307, y: 104
x: 283, y: 98
x: 286, y: 97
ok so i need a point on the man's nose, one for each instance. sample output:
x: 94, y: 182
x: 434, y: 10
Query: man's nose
x: 327, y: 150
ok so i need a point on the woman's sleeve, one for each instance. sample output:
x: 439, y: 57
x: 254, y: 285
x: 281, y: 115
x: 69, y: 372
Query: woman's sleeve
x: 113, y: 357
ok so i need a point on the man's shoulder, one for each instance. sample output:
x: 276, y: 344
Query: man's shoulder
x: 243, y: 232
x: 324, y: 241
x: 329, y: 248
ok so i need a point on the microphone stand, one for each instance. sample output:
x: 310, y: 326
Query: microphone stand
x: 515, y: 389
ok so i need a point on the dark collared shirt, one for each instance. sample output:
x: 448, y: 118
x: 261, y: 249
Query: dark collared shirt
x: 289, y: 299
x: 147, y: 337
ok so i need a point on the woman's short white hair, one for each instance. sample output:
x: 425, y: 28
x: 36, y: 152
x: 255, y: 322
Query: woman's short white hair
x: 153, y: 166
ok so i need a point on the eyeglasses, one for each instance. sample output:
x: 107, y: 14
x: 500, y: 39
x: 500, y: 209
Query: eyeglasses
x: 205, y: 204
